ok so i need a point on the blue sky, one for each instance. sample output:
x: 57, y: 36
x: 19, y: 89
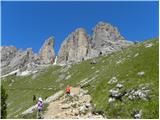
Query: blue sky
x: 28, y: 24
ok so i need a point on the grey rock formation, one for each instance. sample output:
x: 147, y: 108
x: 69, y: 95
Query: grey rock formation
x: 7, y: 53
x: 93, y: 61
x: 13, y: 59
x: 46, y: 52
x: 141, y: 93
x: 141, y: 74
x: 137, y: 114
x: 74, y: 48
x: 78, y: 46
x: 112, y: 80
x: 119, y: 86
x: 106, y: 39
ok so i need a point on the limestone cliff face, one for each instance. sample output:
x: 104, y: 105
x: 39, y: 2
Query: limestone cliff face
x: 46, y: 52
x: 7, y: 53
x: 106, y: 39
x: 74, y: 48
x: 13, y: 59
x: 78, y: 46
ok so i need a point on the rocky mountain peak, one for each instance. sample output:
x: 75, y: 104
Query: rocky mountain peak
x: 106, y: 39
x: 14, y: 59
x: 46, y: 52
x: 105, y: 32
x: 79, y: 46
x: 75, y: 47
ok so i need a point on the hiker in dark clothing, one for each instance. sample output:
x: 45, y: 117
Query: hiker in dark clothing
x: 34, y: 98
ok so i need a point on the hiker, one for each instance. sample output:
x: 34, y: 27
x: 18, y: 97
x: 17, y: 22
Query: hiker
x: 68, y: 89
x: 34, y: 98
x: 39, y: 108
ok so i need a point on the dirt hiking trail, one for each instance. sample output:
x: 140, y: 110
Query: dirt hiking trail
x: 76, y: 106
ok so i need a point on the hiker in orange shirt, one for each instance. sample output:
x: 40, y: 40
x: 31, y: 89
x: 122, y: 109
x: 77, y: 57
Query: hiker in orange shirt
x: 68, y: 89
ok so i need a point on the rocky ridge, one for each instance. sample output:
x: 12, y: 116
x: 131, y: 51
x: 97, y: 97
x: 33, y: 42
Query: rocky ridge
x: 13, y: 59
x: 78, y: 46
x: 107, y: 39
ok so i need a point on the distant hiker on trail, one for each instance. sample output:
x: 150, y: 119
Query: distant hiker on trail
x: 34, y: 98
x: 39, y: 108
x: 68, y: 89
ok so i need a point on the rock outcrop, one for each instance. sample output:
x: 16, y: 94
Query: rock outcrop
x: 7, y: 53
x: 46, y: 52
x: 74, y: 48
x: 79, y: 46
x: 13, y: 59
x: 106, y: 39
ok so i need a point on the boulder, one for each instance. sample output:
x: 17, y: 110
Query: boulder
x: 113, y: 80
x: 119, y: 85
x: 114, y: 93
x: 88, y: 105
x: 141, y: 74
x: 148, y: 45
x: 75, y: 112
x: 93, y: 62
x: 82, y: 109
x: 111, y: 99
x: 137, y: 114
x: 140, y: 93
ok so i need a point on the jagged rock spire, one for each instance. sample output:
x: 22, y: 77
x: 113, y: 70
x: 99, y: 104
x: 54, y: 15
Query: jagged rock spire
x: 46, y: 53
x: 74, y: 48
x: 79, y: 46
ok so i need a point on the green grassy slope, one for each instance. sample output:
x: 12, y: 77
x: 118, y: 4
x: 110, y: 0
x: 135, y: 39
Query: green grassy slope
x: 22, y: 90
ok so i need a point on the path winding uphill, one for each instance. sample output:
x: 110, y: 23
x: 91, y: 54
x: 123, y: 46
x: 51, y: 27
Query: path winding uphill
x: 76, y: 106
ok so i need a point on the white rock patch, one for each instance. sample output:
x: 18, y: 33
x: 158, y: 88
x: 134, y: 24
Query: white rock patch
x: 148, y: 45
x: 136, y: 54
x: 25, y: 73
x: 112, y: 80
x: 140, y: 73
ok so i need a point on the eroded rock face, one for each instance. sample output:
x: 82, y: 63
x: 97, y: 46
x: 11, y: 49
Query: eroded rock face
x: 74, y: 48
x: 78, y: 46
x: 13, y: 59
x: 7, y: 53
x: 106, y: 39
x: 46, y: 52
